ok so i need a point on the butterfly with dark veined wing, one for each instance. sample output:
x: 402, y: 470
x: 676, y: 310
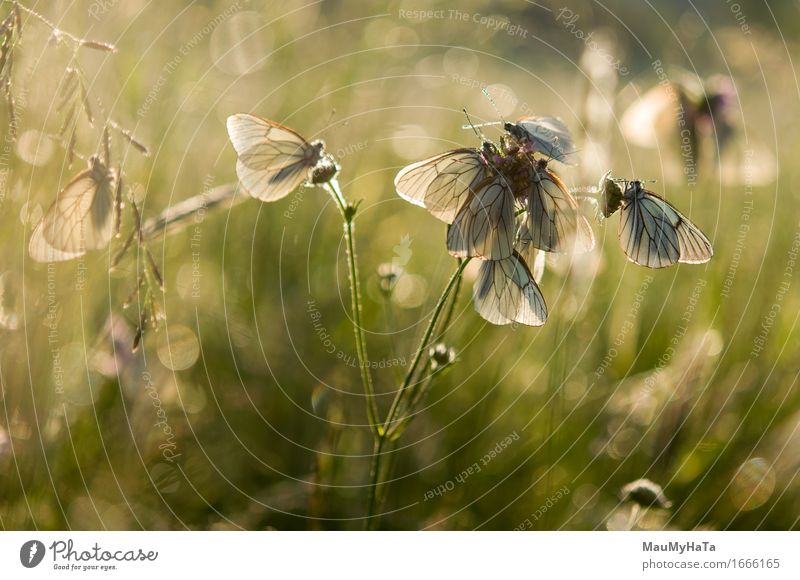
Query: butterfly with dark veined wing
x: 651, y: 231
x: 274, y: 160
x: 468, y: 189
x: 82, y: 217
x: 506, y: 291
x: 554, y: 223
x: 486, y: 225
x: 443, y: 183
x: 549, y: 136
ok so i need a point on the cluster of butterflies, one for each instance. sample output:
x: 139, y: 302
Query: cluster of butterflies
x: 505, y: 206
x: 503, y: 203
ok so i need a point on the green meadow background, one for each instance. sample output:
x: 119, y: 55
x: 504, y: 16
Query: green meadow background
x: 245, y: 409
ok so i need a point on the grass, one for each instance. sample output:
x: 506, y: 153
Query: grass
x: 269, y: 418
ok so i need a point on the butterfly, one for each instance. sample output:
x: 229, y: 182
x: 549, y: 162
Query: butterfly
x: 549, y: 136
x: 485, y: 227
x: 273, y: 160
x: 703, y: 106
x: 82, y: 217
x: 443, y: 183
x: 506, y: 291
x: 653, y: 233
x: 554, y: 223
x: 466, y: 188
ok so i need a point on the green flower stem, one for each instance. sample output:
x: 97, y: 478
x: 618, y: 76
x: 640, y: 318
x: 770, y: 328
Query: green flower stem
x: 348, y: 213
x: 451, y: 309
x: 374, y: 481
x: 384, y: 433
x: 423, y: 345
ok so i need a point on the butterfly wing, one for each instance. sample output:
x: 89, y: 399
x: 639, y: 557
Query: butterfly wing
x: 655, y: 234
x: 694, y: 246
x: 273, y: 159
x: 484, y: 227
x: 506, y: 292
x: 651, y: 117
x: 533, y: 257
x: 442, y: 184
x: 549, y: 136
x: 554, y: 222
x: 648, y: 231
x: 80, y: 219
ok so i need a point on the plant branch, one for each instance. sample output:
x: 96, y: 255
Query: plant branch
x: 384, y: 433
x: 423, y: 345
x: 348, y: 213
x: 59, y: 34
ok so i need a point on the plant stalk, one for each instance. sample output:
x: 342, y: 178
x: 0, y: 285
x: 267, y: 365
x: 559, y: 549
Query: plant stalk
x: 384, y: 433
x: 348, y: 213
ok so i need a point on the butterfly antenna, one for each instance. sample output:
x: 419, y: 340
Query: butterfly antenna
x: 329, y: 121
x: 329, y: 125
x: 494, y: 105
x: 489, y: 124
x: 480, y: 135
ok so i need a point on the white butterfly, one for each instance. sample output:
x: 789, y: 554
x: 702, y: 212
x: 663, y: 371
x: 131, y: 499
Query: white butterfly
x: 704, y: 105
x: 655, y: 234
x: 463, y: 188
x: 650, y: 117
x: 80, y: 219
x: 444, y: 183
x: 506, y: 292
x: 547, y: 135
x: 485, y: 227
x: 273, y: 160
x: 554, y: 222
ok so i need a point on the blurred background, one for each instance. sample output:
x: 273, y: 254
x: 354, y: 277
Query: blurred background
x: 245, y: 409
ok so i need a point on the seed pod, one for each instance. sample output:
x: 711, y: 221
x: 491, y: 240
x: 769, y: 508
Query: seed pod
x: 645, y: 493
x: 103, y: 46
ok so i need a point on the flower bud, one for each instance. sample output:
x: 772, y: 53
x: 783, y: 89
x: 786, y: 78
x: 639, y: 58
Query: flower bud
x: 646, y: 494
x: 610, y: 195
x: 325, y: 170
x: 388, y: 275
x: 441, y: 356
